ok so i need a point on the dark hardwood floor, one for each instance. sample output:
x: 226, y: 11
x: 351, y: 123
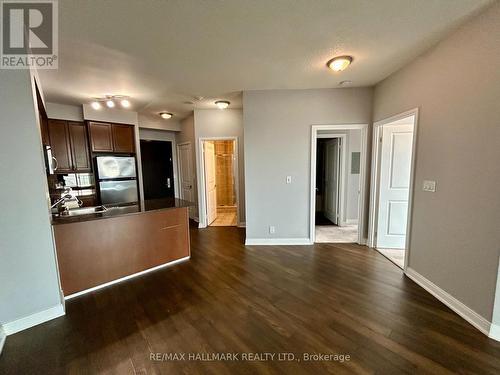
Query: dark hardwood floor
x: 344, y: 299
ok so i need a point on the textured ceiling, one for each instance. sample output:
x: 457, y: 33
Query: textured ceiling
x: 165, y: 54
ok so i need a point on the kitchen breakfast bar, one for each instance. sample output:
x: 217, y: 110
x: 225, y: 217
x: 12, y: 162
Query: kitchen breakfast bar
x: 97, y: 249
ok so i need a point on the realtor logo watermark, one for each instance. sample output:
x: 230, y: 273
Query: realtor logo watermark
x: 29, y: 34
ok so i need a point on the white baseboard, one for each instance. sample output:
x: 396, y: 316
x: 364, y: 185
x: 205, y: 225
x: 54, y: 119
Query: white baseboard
x: 3, y: 336
x: 465, y: 312
x: 127, y: 278
x: 495, y: 332
x: 33, y: 320
x: 242, y: 225
x: 277, y: 241
x: 351, y: 221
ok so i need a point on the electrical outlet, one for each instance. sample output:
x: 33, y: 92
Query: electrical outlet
x: 429, y: 186
x: 272, y: 229
x: 288, y: 179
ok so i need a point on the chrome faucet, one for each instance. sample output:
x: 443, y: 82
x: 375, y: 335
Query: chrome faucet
x: 61, y: 200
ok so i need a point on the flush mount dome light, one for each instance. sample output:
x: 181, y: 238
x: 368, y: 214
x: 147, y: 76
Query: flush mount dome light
x: 339, y: 63
x: 222, y: 104
x: 166, y: 115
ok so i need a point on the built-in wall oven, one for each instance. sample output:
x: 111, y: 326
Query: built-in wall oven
x: 117, y: 180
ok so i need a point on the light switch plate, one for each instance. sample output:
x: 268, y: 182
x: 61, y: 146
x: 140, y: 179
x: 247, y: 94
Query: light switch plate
x: 272, y: 229
x: 288, y: 179
x: 429, y: 186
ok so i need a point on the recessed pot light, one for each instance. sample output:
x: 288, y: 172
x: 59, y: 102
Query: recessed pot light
x: 166, y: 115
x: 110, y: 103
x: 96, y: 105
x: 339, y: 63
x: 222, y: 104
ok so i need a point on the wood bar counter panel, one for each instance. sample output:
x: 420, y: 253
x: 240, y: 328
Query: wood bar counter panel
x: 92, y: 253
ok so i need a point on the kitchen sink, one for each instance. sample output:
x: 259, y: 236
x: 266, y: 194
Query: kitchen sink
x: 83, y: 211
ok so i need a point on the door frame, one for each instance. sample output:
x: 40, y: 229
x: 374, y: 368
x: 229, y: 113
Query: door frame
x: 362, y: 176
x: 341, y: 189
x: 375, y: 178
x: 193, y: 182
x: 202, y: 194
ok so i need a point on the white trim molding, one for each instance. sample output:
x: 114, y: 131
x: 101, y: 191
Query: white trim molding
x: 200, y: 167
x: 277, y: 241
x: 33, y: 320
x: 127, y: 277
x: 362, y: 180
x: 375, y: 178
x: 495, y: 332
x: 2, y: 338
x: 454, y: 304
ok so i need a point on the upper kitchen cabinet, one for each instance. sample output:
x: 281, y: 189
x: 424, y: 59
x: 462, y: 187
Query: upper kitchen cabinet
x: 61, y: 146
x: 69, y: 144
x: 44, y: 129
x: 105, y: 137
x: 123, y: 138
x: 80, y: 154
x: 101, y: 137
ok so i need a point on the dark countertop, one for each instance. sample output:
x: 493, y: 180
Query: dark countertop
x: 143, y: 206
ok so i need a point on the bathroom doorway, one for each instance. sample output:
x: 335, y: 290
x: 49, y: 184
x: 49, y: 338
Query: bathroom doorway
x: 220, y: 190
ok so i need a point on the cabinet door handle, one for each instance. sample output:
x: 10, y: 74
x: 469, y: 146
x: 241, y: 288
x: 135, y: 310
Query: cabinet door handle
x: 56, y: 163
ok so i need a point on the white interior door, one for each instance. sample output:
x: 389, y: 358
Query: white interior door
x: 332, y: 180
x: 210, y: 181
x: 395, y: 168
x: 185, y: 161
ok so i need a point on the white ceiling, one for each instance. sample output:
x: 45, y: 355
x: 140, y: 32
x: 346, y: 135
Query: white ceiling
x: 166, y: 53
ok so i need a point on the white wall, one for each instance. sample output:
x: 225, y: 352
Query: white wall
x: 28, y: 272
x: 158, y: 123
x: 64, y: 111
x: 354, y: 145
x: 222, y: 123
x: 277, y: 126
x: 455, y: 232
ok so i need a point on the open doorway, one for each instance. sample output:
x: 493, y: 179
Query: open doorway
x: 337, y: 183
x: 219, y: 188
x: 392, y: 181
x: 157, y: 169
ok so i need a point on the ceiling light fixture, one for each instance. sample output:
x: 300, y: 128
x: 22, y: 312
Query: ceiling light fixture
x: 339, y: 63
x: 166, y: 115
x: 222, y: 104
x: 110, y: 101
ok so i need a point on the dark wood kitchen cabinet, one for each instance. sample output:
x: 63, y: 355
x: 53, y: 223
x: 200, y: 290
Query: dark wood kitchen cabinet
x: 106, y: 137
x: 61, y: 146
x: 123, y: 138
x: 101, y: 137
x: 69, y: 144
x: 80, y: 154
